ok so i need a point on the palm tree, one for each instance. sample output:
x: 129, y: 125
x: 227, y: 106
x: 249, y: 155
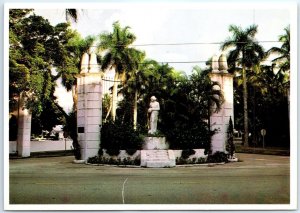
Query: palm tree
x: 118, y: 56
x: 246, y: 53
x: 71, y: 14
x: 283, y: 60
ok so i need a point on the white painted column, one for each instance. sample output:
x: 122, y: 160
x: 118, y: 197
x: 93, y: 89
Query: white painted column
x: 220, y: 120
x: 89, y: 108
x: 24, y: 131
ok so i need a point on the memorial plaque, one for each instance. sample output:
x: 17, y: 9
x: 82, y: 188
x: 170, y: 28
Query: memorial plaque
x: 80, y: 129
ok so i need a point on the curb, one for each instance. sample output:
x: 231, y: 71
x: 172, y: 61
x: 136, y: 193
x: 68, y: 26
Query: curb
x: 181, y: 165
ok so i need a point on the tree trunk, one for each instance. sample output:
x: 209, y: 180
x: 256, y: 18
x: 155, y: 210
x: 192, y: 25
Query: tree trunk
x: 115, y: 97
x: 245, y: 100
x: 108, y: 112
x: 75, y: 97
x: 135, y: 111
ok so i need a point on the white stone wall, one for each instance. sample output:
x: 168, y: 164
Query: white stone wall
x: 43, y: 146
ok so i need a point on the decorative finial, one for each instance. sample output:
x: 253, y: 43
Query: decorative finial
x: 93, y: 65
x: 223, y: 63
x: 215, y: 64
x: 85, y: 63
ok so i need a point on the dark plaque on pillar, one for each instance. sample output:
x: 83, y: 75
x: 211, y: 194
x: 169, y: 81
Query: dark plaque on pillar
x: 80, y: 129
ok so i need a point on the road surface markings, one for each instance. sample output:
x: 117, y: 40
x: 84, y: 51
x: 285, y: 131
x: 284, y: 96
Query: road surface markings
x: 123, y: 190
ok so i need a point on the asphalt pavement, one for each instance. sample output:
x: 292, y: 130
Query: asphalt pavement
x: 256, y: 179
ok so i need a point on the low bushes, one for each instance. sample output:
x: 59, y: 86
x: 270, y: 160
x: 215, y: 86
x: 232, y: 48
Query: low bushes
x: 192, y: 137
x: 217, y: 157
x: 114, y: 161
x: 117, y: 136
x: 181, y: 160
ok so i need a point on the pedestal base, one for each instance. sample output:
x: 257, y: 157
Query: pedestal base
x: 156, y: 153
x: 151, y: 143
x: 157, y: 158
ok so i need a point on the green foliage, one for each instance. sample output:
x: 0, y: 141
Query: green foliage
x: 36, y: 48
x: 181, y: 160
x: 106, y: 101
x: 230, y: 147
x: 186, y: 153
x: 13, y: 128
x: 131, y: 151
x: 120, y: 56
x: 49, y: 117
x: 186, y: 112
x: 71, y: 129
x: 185, y: 104
x: 114, y: 161
x: 217, y: 157
x: 283, y: 60
x: 268, y: 91
x: 245, y: 53
x: 185, y: 137
x: 119, y: 136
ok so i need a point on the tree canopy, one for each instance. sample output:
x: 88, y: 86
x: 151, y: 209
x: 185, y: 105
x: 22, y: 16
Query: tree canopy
x: 40, y: 53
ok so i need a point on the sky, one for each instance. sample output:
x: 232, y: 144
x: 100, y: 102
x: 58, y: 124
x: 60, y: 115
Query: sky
x: 179, y: 24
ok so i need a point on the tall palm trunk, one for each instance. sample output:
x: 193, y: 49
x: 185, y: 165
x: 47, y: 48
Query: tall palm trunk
x: 135, y: 111
x: 115, y: 97
x: 245, y: 100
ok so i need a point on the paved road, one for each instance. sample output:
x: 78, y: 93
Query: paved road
x: 258, y: 179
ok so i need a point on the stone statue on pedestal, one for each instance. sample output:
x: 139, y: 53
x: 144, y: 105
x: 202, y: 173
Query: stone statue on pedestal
x: 153, y: 111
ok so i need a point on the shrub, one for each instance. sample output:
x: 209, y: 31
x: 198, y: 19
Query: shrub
x: 187, y: 152
x: 113, y: 152
x: 230, y: 147
x: 106, y: 160
x: 130, y: 151
x: 181, y: 160
x: 217, y: 157
x: 196, y: 136
x: 119, y: 136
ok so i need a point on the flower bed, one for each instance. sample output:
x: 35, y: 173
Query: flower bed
x: 193, y: 156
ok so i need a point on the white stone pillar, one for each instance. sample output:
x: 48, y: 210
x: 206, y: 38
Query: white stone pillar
x: 89, y: 109
x: 24, y: 131
x: 220, y: 120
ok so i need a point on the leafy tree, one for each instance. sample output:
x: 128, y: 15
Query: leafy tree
x: 70, y: 60
x: 267, y: 87
x: 246, y: 53
x: 283, y: 60
x: 39, y: 55
x: 187, y: 111
x: 51, y: 114
x: 34, y: 43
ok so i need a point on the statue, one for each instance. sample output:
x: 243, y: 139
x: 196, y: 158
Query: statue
x: 153, y: 110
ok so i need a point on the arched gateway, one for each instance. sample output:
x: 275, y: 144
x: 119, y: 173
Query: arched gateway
x: 89, y: 114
